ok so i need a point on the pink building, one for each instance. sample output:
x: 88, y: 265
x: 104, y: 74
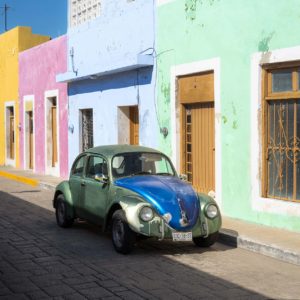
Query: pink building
x: 44, y: 109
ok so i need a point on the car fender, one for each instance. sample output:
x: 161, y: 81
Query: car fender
x: 131, y: 206
x: 212, y: 225
x: 64, y: 188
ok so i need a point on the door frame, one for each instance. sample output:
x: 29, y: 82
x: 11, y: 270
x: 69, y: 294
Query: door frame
x: 54, y: 171
x: 190, y: 69
x: 28, y: 99
x: 9, y: 161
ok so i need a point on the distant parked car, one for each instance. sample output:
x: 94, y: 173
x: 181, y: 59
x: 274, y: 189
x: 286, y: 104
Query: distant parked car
x: 135, y: 191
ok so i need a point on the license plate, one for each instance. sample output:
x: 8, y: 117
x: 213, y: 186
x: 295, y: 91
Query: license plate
x: 182, y: 236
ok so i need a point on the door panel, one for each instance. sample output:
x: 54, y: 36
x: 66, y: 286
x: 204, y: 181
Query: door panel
x: 95, y: 193
x: 54, y: 136
x: 134, y: 125
x: 30, y: 137
x: 11, y: 137
x: 77, y: 182
x: 199, y: 146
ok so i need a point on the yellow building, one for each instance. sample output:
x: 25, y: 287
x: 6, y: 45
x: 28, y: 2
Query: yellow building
x: 12, y: 43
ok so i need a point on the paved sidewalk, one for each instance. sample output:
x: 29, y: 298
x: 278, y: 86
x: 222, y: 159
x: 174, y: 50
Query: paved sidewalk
x: 277, y: 243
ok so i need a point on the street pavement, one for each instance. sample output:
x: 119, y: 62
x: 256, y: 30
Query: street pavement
x: 274, y: 242
x: 39, y: 260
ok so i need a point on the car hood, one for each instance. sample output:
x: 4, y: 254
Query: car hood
x: 173, y: 199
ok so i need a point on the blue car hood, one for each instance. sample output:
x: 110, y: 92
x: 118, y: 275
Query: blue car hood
x: 173, y: 199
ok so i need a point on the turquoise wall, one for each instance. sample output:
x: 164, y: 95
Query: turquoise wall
x: 232, y: 30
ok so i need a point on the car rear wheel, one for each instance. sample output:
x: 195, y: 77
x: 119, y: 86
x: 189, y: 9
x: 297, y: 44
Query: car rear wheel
x: 123, y: 238
x: 61, y: 213
x: 206, y: 241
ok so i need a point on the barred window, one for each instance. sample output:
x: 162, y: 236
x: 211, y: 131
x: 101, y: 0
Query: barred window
x: 87, y: 135
x: 281, y: 114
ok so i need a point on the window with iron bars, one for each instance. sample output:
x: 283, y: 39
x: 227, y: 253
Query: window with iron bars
x: 281, y: 132
x: 87, y: 135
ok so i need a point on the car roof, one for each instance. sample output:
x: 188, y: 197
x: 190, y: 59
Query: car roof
x: 111, y: 150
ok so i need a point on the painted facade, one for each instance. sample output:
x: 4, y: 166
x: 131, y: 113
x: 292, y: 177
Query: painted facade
x: 111, y: 77
x: 236, y: 42
x: 12, y: 43
x: 44, y: 109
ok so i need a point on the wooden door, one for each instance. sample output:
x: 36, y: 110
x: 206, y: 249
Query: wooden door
x: 11, y: 137
x: 54, y: 135
x: 134, y: 125
x: 196, y: 98
x: 30, y: 137
x: 199, y: 146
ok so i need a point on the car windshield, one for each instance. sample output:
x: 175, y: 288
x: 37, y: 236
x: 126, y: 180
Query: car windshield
x: 141, y: 163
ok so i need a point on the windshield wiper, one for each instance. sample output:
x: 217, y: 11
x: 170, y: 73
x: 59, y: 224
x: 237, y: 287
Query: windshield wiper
x: 140, y: 173
x: 164, y: 174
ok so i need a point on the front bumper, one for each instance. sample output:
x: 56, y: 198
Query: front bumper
x: 160, y: 229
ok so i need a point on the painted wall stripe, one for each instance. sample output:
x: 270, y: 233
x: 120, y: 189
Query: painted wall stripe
x: 18, y: 178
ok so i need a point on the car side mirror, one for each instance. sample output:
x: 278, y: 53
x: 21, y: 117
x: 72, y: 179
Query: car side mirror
x: 183, y: 177
x: 101, y: 178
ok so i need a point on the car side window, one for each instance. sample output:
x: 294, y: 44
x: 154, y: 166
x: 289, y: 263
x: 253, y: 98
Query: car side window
x: 96, y: 166
x: 78, y: 167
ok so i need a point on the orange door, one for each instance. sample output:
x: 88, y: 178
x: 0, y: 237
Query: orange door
x: 134, y: 125
x: 54, y: 136
x: 11, y: 137
x: 30, y: 140
x: 199, y: 146
x: 196, y: 98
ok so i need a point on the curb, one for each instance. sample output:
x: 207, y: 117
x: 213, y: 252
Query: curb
x: 18, y: 178
x: 47, y: 186
x: 231, y: 238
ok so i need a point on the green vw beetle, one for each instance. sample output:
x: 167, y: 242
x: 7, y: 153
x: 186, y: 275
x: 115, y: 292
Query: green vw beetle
x: 135, y: 191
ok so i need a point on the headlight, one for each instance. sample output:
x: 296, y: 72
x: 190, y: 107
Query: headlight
x: 146, y: 214
x: 211, y: 211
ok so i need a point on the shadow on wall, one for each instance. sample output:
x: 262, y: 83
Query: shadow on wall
x: 111, y: 82
x: 32, y: 244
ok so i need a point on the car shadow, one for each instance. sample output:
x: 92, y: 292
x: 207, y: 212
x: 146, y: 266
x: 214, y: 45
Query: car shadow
x: 33, y: 248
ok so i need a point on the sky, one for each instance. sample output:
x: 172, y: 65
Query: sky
x: 46, y: 17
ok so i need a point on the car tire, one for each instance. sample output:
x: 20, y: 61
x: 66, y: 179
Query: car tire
x: 123, y: 238
x: 61, y: 213
x: 206, y: 241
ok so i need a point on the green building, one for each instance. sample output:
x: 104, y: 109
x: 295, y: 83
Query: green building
x: 228, y: 91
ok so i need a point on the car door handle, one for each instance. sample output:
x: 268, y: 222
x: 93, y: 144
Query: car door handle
x: 82, y: 183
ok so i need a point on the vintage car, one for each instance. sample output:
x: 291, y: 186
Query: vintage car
x: 135, y: 192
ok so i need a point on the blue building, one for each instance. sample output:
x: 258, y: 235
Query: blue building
x: 111, y: 74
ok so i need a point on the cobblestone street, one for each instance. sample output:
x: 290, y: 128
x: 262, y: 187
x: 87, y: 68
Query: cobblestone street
x: 39, y: 260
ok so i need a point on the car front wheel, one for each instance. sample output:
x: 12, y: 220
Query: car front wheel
x: 61, y: 213
x: 123, y: 238
x: 206, y: 241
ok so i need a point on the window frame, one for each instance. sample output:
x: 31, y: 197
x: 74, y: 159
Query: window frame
x: 84, y: 157
x: 88, y: 162
x: 267, y: 96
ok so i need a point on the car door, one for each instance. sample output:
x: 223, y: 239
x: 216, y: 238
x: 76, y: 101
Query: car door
x: 76, y: 182
x: 95, y: 189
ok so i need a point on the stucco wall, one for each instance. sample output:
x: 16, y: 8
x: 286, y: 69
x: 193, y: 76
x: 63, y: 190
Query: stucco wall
x: 38, y: 69
x: 11, y: 43
x: 231, y: 32
x: 112, y: 42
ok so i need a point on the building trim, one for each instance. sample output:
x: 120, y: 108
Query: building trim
x: 27, y: 99
x: 259, y: 203
x: 8, y: 161
x: 189, y: 69
x: 55, y: 171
